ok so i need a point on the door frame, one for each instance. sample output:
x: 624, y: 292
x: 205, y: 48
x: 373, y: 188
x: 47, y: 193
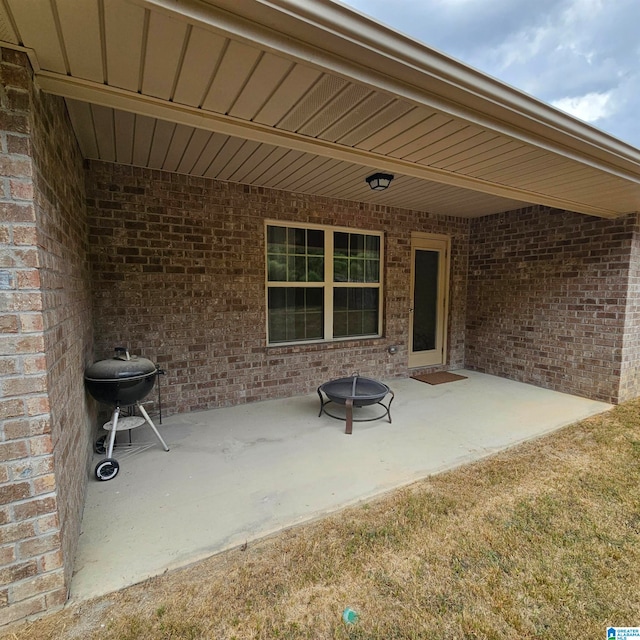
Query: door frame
x: 441, y: 244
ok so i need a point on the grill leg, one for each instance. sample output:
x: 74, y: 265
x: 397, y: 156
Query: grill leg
x: 112, y: 435
x: 153, y: 426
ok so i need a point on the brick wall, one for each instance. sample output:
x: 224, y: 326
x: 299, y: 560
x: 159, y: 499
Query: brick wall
x: 46, y: 341
x: 630, y: 374
x: 179, y: 276
x: 547, y: 299
x: 66, y: 294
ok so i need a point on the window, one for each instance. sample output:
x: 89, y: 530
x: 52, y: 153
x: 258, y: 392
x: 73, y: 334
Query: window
x: 323, y: 283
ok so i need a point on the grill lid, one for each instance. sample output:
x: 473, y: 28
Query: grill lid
x: 121, y: 367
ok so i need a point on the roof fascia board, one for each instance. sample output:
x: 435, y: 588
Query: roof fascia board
x: 336, y: 39
x: 104, y: 95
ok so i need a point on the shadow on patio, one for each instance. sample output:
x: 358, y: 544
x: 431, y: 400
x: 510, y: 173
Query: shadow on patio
x: 240, y: 473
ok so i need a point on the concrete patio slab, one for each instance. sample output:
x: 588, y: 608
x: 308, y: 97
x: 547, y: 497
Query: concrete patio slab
x: 240, y: 473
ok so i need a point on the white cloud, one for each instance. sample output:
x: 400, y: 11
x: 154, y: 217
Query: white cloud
x: 590, y: 107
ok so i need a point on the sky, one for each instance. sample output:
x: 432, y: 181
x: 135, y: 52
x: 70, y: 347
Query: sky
x: 581, y: 56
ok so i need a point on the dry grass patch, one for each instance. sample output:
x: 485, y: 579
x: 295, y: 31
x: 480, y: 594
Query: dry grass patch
x: 541, y: 541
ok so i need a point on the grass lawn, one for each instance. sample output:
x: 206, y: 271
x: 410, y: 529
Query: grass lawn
x: 541, y: 541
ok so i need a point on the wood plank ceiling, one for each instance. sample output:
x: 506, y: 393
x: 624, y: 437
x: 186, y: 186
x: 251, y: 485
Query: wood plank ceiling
x: 308, y: 129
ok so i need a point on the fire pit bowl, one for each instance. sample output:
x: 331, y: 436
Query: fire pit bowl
x: 354, y: 391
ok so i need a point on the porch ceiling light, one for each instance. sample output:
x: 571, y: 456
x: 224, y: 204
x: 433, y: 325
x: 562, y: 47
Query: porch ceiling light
x: 379, y: 181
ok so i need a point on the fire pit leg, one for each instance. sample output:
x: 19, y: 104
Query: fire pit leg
x: 389, y: 406
x: 348, y: 403
x: 322, y: 403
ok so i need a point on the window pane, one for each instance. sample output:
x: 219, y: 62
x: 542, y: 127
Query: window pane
x: 372, y: 256
x: 355, y: 312
x: 425, y: 298
x: 373, y: 247
x: 372, y: 271
x: 340, y: 270
x: 362, y: 255
x: 295, y: 313
x: 341, y: 244
x: 315, y: 242
x: 356, y: 271
x: 340, y: 324
x: 370, y: 322
x: 297, y: 240
x: 316, y: 270
x: 341, y: 299
x: 276, y: 240
x: 356, y: 245
x: 295, y: 255
x: 277, y: 316
x: 299, y: 269
x: 277, y: 267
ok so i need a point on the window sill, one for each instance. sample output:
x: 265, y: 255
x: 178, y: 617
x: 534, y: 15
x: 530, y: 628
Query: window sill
x: 297, y: 347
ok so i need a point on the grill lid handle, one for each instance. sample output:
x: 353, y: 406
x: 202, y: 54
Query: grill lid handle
x: 122, y: 353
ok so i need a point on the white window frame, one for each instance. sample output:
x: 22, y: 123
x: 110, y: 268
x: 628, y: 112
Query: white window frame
x: 328, y: 284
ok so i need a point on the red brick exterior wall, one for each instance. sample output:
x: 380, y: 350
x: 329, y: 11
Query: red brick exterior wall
x: 178, y: 264
x: 630, y: 378
x: 547, y: 300
x: 46, y: 341
x: 179, y: 270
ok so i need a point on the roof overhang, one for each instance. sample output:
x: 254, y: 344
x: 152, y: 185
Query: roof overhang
x: 310, y: 96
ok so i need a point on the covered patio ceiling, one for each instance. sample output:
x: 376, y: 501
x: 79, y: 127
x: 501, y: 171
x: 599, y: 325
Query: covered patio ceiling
x: 311, y: 97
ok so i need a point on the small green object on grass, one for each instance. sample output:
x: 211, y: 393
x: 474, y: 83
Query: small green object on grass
x: 349, y: 616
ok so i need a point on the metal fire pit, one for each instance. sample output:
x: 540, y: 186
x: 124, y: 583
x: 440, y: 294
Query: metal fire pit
x: 354, y: 391
x: 121, y: 381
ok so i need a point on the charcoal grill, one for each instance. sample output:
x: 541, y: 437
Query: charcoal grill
x: 121, y: 381
x: 354, y: 391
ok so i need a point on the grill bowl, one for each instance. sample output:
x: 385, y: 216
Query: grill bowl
x: 120, y: 381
